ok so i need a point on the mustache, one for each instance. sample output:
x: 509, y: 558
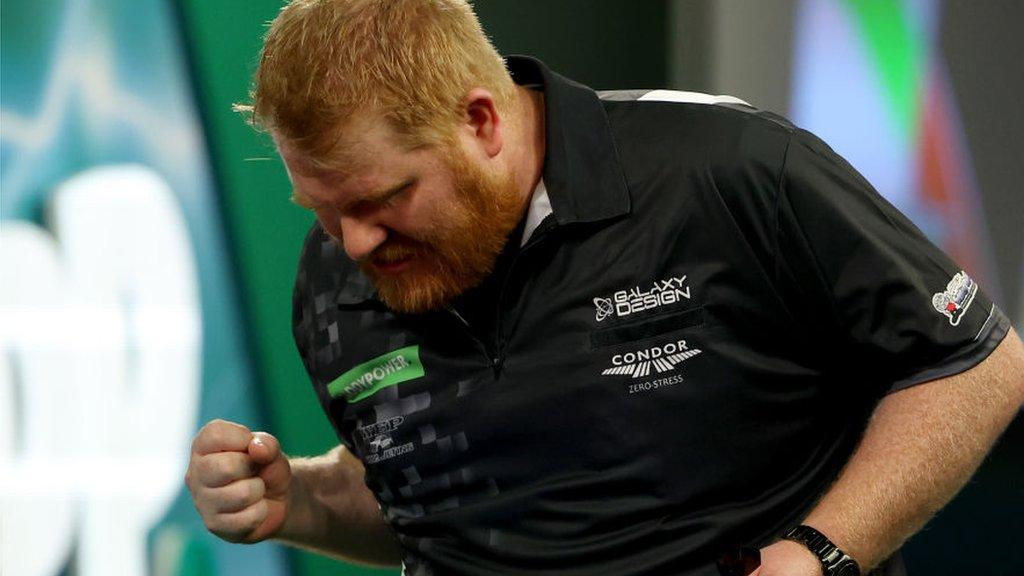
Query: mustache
x: 396, y: 249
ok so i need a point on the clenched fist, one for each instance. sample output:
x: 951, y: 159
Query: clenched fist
x: 239, y: 481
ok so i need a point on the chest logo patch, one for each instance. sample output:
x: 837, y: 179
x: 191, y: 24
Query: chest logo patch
x: 957, y: 297
x: 661, y: 359
x: 371, y: 377
x: 636, y: 299
x: 378, y: 443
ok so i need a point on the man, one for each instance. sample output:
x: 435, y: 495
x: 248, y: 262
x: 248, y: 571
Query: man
x: 565, y: 333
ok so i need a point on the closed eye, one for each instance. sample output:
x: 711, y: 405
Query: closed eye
x: 385, y: 200
x: 382, y: 200
x: 389, y: 200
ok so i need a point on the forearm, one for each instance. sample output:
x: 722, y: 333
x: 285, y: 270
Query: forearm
x: 920, y: 448
x: 332, y: 512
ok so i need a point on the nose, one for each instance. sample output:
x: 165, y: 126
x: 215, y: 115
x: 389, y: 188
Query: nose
x: 361, y: 238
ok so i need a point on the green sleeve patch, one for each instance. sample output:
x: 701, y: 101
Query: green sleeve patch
x: 371, y: 377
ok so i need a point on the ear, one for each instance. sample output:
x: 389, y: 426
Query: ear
x: 483, y: 126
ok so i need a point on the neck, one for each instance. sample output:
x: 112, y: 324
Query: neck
x: 530, y: 143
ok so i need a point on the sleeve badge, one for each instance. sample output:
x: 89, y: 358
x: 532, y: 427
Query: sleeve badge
x: 957, y: 297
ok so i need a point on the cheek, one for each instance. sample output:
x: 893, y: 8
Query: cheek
x: 421, y: 218
x: 438, y: 225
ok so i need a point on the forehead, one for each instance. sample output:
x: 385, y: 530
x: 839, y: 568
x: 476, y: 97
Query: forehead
x: 372, y: 161
x: 363, y: 143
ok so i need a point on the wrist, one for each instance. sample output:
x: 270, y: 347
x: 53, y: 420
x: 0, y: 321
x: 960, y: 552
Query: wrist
x: 832, y: 560
x: 297, y: 507
x: 804, y: 557
x: 789, y: 558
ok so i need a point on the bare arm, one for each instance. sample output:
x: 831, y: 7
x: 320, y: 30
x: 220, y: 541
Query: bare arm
x: 247, y: 490
x: 920, y: 448
x: 332, y: 512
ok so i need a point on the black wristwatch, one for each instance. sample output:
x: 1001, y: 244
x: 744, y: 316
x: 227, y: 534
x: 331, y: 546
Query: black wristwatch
x: 834, y: 562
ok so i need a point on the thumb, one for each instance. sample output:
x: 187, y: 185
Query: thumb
x: 274, y: 468
x: 263, y: 448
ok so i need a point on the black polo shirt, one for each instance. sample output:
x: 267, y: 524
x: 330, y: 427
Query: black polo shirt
x: 682, y: 357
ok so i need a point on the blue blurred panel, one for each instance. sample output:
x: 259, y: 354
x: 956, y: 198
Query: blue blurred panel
x: 87, y: 84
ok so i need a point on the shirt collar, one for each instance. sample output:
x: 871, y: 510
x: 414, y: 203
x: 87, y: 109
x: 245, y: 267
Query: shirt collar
x: 582, y: 173
x: 540, y: 208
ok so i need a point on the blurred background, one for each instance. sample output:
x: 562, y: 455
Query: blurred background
x: 147, y: 245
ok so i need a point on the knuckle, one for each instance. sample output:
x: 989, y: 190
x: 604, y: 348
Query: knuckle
x: 257, y: 489
x: 257, y: 514
x: 210, y: 426
x: 246, y: 493
x: 203, y: 503
x: 221, y: 424
x: 197, y: 440
x: 233, y: 497
x: 216, y: 470
x: 237, y: 496
x: 204, y: 470
x: 238, y: 525
x: 218, y: 434
x: 225, y: 527
x: 222, y: 471
x: 212, y: 523
x: 213, y: 435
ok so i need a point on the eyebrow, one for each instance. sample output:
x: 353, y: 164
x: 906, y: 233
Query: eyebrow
x: 374, y: 197
x: 379, y: 196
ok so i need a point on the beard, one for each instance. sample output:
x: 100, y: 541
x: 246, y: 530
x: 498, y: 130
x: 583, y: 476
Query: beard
x: 458, y: 252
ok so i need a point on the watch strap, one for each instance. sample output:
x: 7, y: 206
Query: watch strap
x: 833, y: 560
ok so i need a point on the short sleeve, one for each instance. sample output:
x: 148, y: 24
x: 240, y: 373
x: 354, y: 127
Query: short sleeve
x: 315, y: 322
x: 888, y: 304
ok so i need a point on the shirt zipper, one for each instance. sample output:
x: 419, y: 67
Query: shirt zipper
x: 539, y: 234
x: 496, y: 359
x: 492, y: 359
